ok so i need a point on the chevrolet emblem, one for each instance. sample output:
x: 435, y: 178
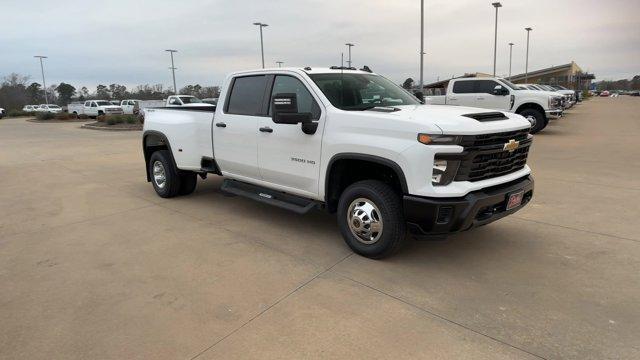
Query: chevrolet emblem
x: 511, y: 146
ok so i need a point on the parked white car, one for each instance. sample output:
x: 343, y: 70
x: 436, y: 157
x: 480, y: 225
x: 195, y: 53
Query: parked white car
x: 502, y: 95
x: 30, y: 108
x: 387, y: 166
x: 93, y: 108
x: 2, y: 113
x: 186, y: 100
x: 49, y: 108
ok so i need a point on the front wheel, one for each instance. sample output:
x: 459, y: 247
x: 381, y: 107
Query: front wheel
x: 370, y: 219
x: 536, y: 118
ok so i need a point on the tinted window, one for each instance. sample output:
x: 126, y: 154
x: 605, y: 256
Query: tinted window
x: 485, y: 86
x: 246, y: 95
x: 288, y: 84
x: 463, y: 87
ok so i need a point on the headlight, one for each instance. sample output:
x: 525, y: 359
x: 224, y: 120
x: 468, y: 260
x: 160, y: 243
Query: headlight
x: 554, y: 102
x: 443, y: 171
x: 429, y: 139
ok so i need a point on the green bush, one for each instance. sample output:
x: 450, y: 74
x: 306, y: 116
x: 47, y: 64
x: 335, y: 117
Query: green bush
x: 83, y: 116
x: 45, y: 115
x: 120, y: 119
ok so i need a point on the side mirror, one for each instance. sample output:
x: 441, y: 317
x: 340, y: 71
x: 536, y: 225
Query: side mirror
x: 419, y: 95
x: 500, y: 91
x: 284, y: 110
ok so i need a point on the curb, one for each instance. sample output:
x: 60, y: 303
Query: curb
x: 53, y: 121
x: 109, y: 128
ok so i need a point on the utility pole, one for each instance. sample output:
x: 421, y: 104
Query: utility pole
x: 173, y: 71
x: 349, y: 45
x: 261, y: 25
x: 495, y: 37
x: 421, y: 45
x: 279, y: 63
x: 44, y: 85
x: 341, y: 59
x: 510, y: 55
x: 526, y: 64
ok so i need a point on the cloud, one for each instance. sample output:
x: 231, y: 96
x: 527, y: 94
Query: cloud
x: 123, y: 41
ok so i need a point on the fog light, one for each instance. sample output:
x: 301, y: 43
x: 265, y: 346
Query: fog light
x: 439, y: 168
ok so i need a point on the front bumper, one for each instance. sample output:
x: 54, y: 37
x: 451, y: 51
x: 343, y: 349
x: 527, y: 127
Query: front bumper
x: 555, y: 113
x: 440, y: 216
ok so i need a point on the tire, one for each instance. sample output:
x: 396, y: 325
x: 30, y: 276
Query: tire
x: 378, y: 201
x: 188, y: 182
x: 170, y: 185
x: 540, y: 120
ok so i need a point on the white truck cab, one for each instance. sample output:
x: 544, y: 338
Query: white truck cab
x: 52, y: 108
x: 94, y: 108
x: 500, y: 94
x: 130, y: 106
x: 186, y: 100
x: 350, y: 142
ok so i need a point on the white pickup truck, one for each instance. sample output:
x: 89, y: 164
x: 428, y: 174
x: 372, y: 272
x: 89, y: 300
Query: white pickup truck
x: 94, y: 108
x: 186, y: 100
x: 351, y: 142
x: 502, y: 95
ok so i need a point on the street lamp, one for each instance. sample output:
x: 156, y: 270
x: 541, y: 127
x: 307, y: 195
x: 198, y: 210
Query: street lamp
x: 279, y: 63
x: 349, y: 45
x: 44, y: 85
x: 173, y: 71
x: 510, y: 53
x: 495, y: 37
x: 261, y: 25
x: 526, y: 64
x: 421, y: 43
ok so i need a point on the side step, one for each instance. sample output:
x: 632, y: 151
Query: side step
x: 282, y: 200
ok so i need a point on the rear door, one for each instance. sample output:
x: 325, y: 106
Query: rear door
x: 486, y: 98
x: 289, y: 158
x: 463, y: 93
x: 236, y: 127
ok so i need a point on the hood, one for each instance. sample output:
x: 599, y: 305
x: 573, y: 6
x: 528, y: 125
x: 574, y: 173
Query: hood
x: 452, y: 120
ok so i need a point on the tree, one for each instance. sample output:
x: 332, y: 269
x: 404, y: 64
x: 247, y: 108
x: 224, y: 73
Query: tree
x: 66, y: 92
x: 408, y: 84
x: 13, y: 94
x: 118, y: 91
x: 102, y: 92
x: 34, y: 95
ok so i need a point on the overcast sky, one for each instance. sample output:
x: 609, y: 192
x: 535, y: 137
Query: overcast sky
x: 122, y: 41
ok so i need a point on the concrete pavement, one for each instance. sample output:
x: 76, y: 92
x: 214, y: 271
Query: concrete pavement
x: 94, y: 265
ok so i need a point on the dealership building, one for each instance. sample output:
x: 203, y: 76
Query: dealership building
x: 568, y: 75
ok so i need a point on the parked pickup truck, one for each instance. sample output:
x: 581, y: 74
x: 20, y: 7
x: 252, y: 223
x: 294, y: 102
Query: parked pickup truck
x: 351, y: 142
x: 94, y: 108
x: 500, y: 94
x: 186, y: 100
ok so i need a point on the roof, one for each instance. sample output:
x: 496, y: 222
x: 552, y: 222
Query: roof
x: 308, y: 70
x: 570, y: 66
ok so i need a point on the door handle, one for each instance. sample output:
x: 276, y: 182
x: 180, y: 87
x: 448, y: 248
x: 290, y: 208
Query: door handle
x: 266, y: 129
x: 221, y: 124
x: 480, y: 98
x: 453, y: 98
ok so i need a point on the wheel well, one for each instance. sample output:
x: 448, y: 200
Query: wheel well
x: 343, y: 172
x: 531, y: 106
x: 151, y: 143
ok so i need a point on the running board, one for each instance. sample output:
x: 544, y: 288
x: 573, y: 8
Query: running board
x: 282, y: 200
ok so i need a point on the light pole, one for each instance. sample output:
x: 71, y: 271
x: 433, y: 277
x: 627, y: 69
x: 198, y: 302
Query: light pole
x: 44, y: 85
x: 173, y: 71
x: 421, y: 44
x: 349, y: 45
x: 526, y: 63
x: 510, y: 53
x: 261, y: 25
x: 495, y: 37
x: 279, y: 63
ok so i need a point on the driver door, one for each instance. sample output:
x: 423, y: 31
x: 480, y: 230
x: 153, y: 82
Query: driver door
x: 288, y: 158
x: 487, y: 99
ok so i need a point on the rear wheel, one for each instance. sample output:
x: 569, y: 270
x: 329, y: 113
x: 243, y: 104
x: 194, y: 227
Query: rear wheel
x: 536, y: 118
x: 164, y: 177
x: 188, y: 182
x: 370, y: 219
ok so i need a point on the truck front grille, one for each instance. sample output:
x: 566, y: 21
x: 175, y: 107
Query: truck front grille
x: 484, y: 156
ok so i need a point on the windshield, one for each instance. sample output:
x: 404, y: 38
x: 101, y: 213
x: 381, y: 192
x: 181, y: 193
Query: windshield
x: 190, y: 99
x: 54, y: 106
x: 558, y: 87
x: 361, y: 91
x: 103, y: 103
x: 510, y: 84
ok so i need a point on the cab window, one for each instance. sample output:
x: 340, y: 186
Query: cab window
x: 464, y: 87
x: 284, y: 84
x: 486, y: 86
x: 246, y: 95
